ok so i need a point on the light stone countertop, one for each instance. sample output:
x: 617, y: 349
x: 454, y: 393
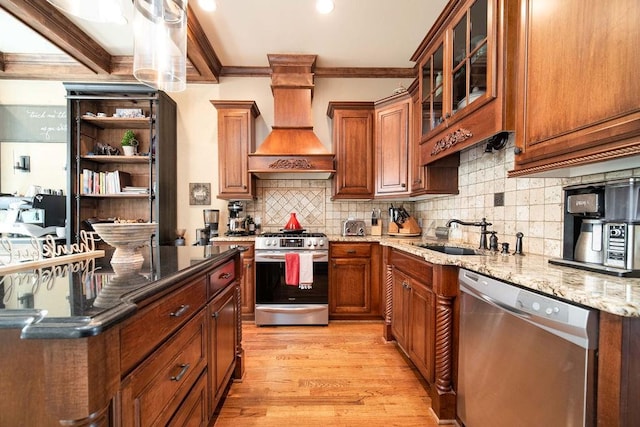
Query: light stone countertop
x: 616, y: 295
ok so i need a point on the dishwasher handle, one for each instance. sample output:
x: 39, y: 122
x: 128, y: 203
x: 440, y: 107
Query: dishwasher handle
x: 495, y: 302
x: 573, y: 323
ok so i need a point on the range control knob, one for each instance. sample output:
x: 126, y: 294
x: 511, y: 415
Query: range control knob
x: 320, y: 242
x: 535, y: 306
x: 309, y: 242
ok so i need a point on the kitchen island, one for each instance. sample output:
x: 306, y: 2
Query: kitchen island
x: 84, y: 345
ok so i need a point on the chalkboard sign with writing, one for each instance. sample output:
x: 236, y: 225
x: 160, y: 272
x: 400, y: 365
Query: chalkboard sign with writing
x: 33, y: 123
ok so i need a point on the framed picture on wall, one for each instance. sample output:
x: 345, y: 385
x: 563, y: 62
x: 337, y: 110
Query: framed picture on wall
x: 199, y: 193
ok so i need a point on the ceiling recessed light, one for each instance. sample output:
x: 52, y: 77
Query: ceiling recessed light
x: 208, y: 5
x: 324, y: 6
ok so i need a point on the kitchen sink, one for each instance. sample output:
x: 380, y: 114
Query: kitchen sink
x: 451, y: 250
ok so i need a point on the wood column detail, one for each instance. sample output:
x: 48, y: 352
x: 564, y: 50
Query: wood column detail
x: 444, y: 343
x: 388, y: 301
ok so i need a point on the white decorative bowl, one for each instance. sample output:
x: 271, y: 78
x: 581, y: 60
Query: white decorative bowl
x: 127, y: 238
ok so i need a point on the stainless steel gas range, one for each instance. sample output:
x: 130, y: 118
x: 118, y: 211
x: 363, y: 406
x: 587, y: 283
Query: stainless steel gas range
x: 279, y: 299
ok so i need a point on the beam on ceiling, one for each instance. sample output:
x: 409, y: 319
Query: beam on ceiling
x: 54, y: 26
x: 199, y: 51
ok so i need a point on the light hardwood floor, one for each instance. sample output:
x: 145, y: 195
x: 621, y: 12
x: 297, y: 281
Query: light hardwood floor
x: 343, y: 374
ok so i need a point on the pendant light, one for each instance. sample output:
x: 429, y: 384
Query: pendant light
x: 160, y: 43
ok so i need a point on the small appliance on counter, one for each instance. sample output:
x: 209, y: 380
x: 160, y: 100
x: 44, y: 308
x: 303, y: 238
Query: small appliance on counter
x: 211, y: 218
x: 236, y: 223
x: 402, y: 224
x: 353, y: 227
x: 602, y: 228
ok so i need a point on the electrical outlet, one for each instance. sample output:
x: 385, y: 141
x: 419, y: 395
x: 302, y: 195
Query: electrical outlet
x: 498, y: 199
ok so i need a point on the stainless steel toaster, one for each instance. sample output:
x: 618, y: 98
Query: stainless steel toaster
x: 353, y: 227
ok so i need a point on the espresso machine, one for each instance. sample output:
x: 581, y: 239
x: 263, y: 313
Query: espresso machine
x: 236, y: 223
x: 622, y: 225
x: 602, y: 228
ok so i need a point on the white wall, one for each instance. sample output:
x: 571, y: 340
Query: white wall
x: 197, y: 123
x: 48, y: 160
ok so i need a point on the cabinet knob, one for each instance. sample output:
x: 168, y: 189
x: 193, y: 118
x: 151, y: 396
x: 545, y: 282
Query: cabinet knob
x: 403, y: 185
x: 517, y: 150
x: 448, y: 115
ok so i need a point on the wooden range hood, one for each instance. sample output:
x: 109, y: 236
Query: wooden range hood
x: 292, y: 147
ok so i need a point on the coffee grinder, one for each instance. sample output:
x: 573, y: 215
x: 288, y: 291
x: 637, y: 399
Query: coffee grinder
x: 211, y: 218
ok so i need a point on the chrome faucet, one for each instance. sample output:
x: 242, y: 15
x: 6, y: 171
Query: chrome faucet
x: 483, y: 229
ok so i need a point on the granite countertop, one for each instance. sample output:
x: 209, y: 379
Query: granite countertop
x: 611, y: 294
x: 80, y: 299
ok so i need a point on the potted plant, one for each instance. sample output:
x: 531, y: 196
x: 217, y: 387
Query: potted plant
x: 129, y: 143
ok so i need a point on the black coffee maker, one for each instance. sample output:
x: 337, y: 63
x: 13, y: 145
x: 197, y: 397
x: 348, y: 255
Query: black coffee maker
x: 236, y: 223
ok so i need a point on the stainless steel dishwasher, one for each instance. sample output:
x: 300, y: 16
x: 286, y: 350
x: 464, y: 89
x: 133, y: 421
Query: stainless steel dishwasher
x: 525, y: 359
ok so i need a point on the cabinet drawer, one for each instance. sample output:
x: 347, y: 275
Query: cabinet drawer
x: 147, y: 329
x: 351, y: 250
x: 415, y: 267
x: 193, y: 411
x: 221, y: 277
x: 153, y: 392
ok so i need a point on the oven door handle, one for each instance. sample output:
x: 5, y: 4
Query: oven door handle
x: 281, y: 257
x: 290, y: 309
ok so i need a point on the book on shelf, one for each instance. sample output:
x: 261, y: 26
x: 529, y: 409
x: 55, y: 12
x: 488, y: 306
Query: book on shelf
x: 100, y: 182
x: 135, y: 190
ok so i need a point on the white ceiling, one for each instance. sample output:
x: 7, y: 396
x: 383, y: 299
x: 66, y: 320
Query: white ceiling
x: 358, y: 33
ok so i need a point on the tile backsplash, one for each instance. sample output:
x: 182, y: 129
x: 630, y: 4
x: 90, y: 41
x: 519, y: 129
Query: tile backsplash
x: 533, y: 206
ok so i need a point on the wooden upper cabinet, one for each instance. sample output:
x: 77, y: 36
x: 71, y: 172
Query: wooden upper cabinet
x: 392, y: 145
x: 577, y: 84
x: 353, y: 146
x: 236, y: 139
x: 467, y: 76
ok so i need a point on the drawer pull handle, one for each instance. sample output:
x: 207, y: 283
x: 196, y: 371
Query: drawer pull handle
x: 351, y: 251
x: 179, y: 312
x: 184, y: 368
x: 224, y: 276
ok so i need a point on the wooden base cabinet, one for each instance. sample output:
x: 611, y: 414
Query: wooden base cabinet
x: 222, y: 314
x: 419, y: 315
x: 247, y: 278
x: 154, y: 391
x: 413, y: 320
x: 354, y: 281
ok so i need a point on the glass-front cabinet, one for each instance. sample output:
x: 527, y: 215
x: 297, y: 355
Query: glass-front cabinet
x: 464, y: 70
x: 432, y: 90
x: 469, y: 62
